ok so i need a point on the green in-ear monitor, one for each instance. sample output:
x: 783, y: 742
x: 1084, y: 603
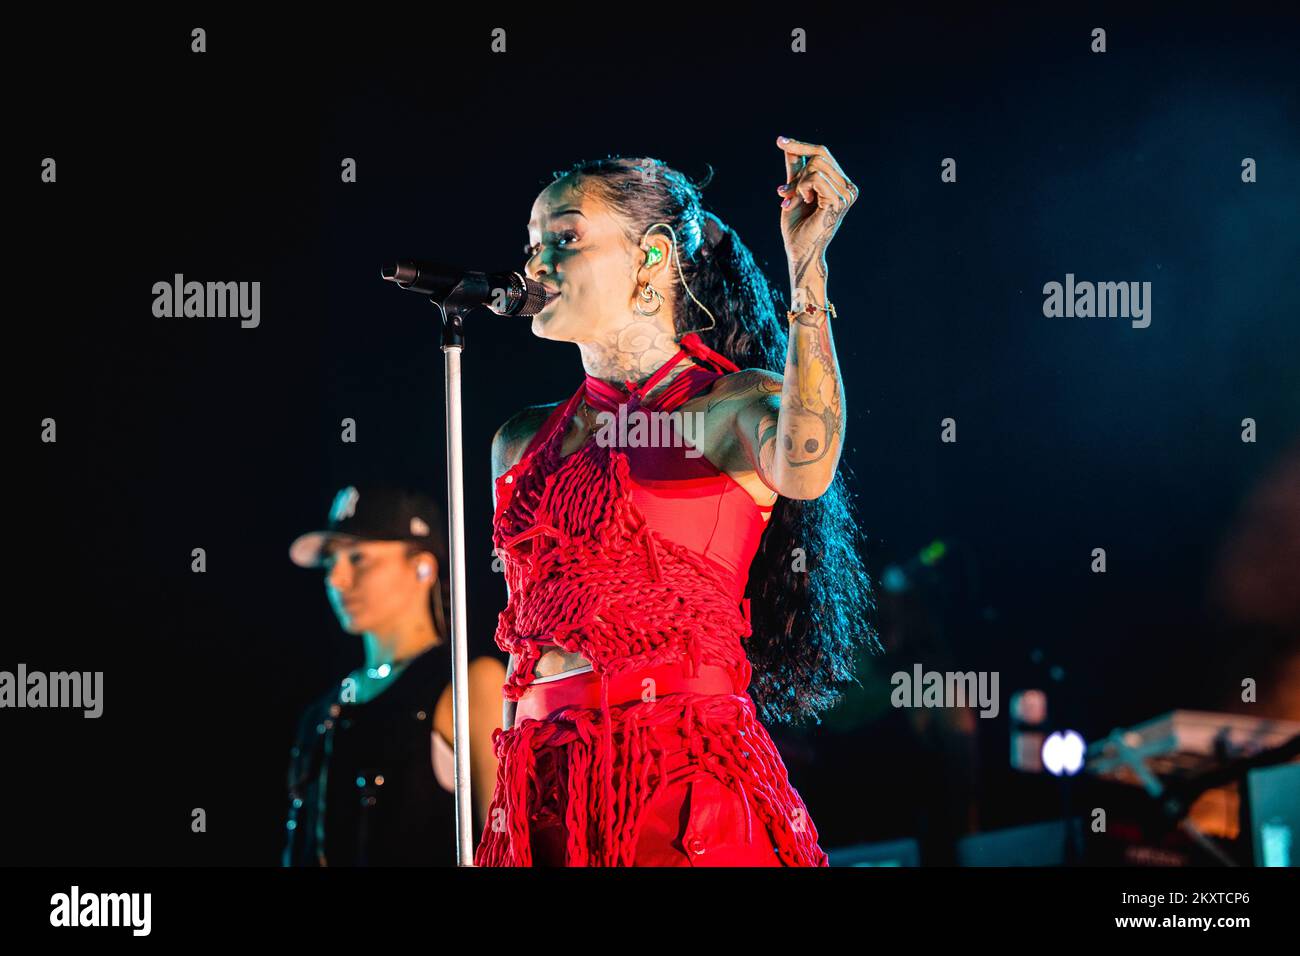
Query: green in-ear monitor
x: 653, y: 255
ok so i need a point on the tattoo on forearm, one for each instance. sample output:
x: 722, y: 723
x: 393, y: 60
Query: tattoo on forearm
x: 810, y: 425
x: 813, y: 412
x: 816, y: 254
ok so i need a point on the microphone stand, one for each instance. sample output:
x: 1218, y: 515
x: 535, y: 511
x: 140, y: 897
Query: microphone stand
x: 472, y: 289
x: 452, y: 311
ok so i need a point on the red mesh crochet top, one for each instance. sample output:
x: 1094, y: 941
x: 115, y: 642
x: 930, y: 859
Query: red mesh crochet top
x: 633, y: 550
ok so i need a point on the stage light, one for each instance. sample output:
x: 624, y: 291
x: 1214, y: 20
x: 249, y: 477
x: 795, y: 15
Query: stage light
x: 1029, y: 707
x: 1028, y: 713
x: 893, y: 579
x: 1063, y: 753
x: 933, y: 553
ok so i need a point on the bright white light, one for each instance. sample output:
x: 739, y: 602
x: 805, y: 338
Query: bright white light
x: 1063, y: 753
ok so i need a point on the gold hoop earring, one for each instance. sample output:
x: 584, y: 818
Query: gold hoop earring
x: 649, y: 294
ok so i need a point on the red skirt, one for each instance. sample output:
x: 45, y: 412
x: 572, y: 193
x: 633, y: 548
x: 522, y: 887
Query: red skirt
x: 668, y: 769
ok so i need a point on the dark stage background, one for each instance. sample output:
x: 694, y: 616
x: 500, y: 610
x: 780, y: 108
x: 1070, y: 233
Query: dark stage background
x: 1073, y: 433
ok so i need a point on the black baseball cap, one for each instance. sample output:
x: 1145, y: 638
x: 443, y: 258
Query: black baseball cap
x: 374, y: 512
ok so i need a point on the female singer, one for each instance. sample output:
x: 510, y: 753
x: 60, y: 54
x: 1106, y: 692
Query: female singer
x: 653, y: 570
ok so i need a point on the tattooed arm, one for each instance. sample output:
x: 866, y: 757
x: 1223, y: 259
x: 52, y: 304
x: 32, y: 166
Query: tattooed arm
x: 791, y: 427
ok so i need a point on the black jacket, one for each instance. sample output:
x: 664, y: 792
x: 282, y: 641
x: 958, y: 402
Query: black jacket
x: 362, y: 790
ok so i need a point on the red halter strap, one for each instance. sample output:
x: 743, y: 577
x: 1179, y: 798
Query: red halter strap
x: 692, y: 343
x: 604, y: 396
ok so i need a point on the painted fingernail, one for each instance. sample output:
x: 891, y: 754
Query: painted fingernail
x: 783, y: 139
x: 783, y: 188
x: 785, y: 203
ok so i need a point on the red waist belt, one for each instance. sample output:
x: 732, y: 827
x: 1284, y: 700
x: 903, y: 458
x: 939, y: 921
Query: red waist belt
x: 539, y: 701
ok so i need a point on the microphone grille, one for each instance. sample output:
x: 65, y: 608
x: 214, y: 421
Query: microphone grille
x: 535, y: 297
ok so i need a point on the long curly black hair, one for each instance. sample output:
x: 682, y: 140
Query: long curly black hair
x: 811, y: 602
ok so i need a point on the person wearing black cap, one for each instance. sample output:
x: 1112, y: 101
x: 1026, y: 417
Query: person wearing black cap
x: 371, y: 774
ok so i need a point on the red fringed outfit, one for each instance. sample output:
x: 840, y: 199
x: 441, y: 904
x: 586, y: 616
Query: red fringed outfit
x: 635, y: 555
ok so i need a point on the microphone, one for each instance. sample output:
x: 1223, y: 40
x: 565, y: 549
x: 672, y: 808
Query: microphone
x: 505, y: 293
